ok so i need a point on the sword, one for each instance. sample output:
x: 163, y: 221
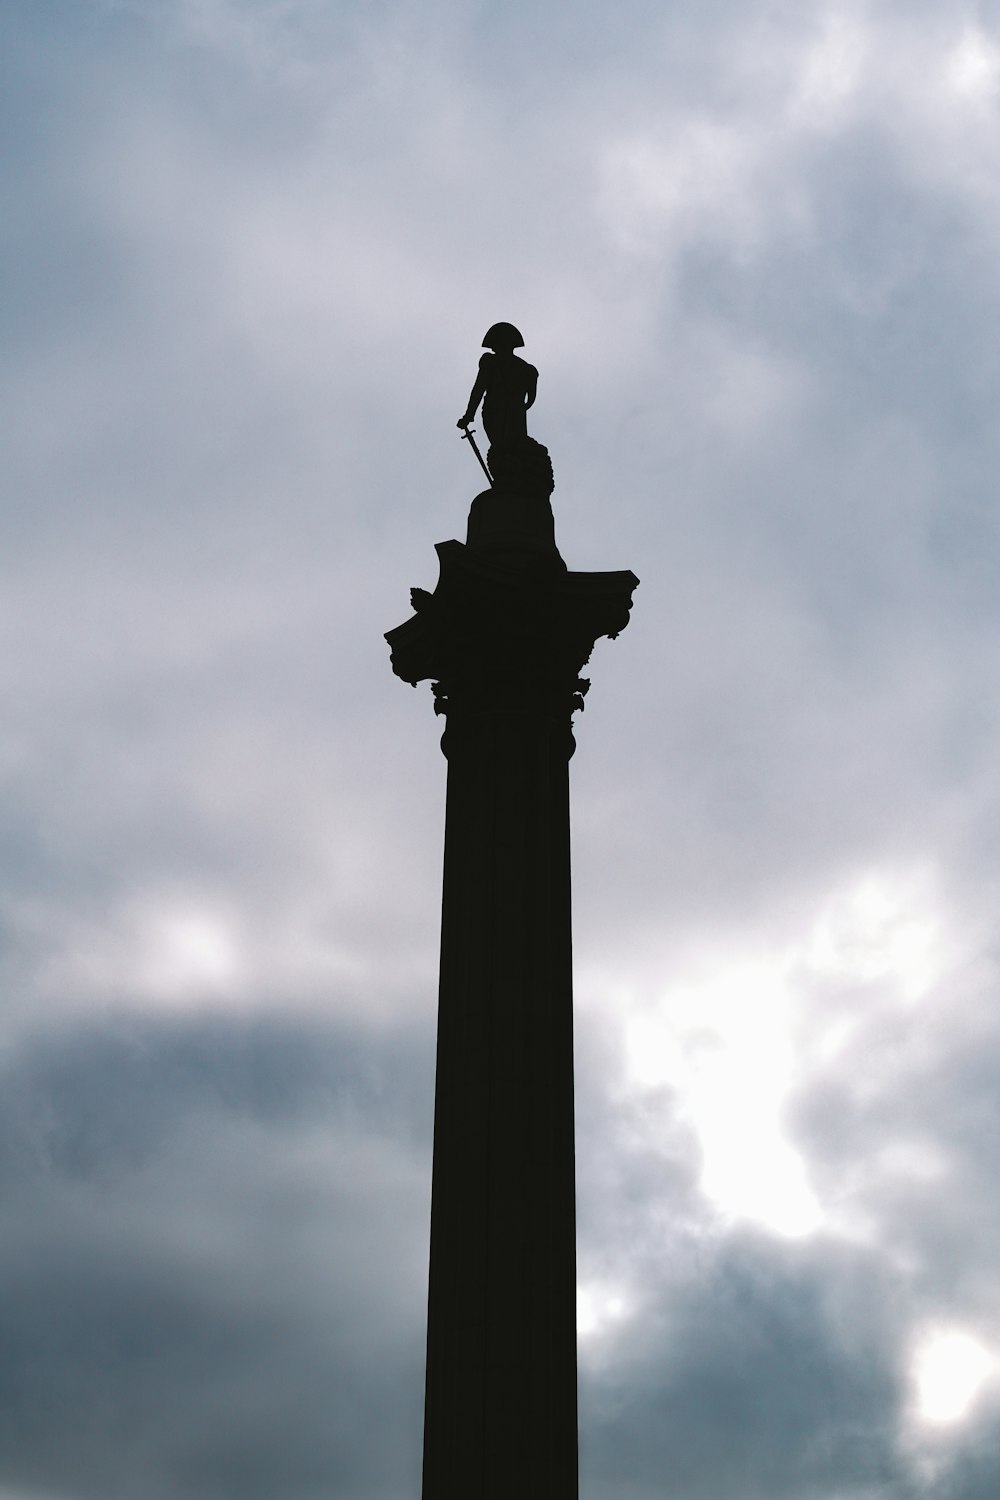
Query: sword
x: 475, y: 448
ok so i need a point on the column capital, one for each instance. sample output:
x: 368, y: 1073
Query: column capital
x: 508, y: 632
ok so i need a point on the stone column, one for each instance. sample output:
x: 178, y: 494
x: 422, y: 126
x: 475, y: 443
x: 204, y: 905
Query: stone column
x: 503, y: 638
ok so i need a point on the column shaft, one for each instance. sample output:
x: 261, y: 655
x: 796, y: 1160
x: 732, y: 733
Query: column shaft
x: 500, y: 1419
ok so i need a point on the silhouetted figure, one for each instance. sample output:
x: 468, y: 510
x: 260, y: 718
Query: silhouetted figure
x: 506, y: 386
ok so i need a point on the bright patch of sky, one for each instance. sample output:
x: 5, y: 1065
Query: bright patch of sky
x: 951, y: 1370
x: 600, y: 1307
x: 830, y: 71
x: 881, y: 929
x: 729, y: 1041
x: 188, y: 951
x: 972, y: 68
x: 723, y: 1043
x: 179, y: 951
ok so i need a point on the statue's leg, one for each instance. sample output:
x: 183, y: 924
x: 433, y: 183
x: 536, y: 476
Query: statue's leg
x: 505, y: 422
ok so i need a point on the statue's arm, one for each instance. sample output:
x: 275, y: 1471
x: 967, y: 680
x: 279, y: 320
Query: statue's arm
x: 531, y: 387
x: 476, y: 394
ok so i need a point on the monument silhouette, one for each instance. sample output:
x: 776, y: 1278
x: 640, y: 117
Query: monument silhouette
x: 502, y: 640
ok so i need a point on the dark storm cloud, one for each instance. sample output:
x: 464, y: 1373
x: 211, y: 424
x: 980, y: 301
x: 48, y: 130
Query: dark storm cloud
x: 140, y: 1353
x: 752, y: 1371
x: 906, y: 1127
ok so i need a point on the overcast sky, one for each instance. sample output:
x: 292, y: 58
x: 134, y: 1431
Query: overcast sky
x: 250, y: 249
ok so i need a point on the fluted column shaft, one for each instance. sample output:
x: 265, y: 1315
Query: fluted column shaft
x: 500, y: 1418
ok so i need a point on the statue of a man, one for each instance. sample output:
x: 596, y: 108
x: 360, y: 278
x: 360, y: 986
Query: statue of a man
x: 506, y: 386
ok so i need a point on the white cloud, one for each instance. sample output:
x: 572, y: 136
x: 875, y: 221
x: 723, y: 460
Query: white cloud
x: 736, y: 1038
x: 950, y: 1370
x: 831, y: 70
x: 721, y: 1042
x: 886, y: 928
x: 600, y: 1306
x: 972, y: 68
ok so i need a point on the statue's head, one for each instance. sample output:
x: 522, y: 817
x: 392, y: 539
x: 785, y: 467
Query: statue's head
x: 503, y: 337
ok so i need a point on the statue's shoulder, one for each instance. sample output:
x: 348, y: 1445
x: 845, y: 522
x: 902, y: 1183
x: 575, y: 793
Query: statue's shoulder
x: 486, y: 360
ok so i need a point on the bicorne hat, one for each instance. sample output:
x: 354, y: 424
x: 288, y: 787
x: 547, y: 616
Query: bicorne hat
x: 503, y: 336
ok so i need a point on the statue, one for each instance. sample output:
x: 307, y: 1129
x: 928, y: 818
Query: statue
x: 506, y: 385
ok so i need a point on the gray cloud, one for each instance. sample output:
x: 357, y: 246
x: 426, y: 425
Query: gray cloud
x: 253, y: 248
x: 755, y: 1372
x: 214, y: 1258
